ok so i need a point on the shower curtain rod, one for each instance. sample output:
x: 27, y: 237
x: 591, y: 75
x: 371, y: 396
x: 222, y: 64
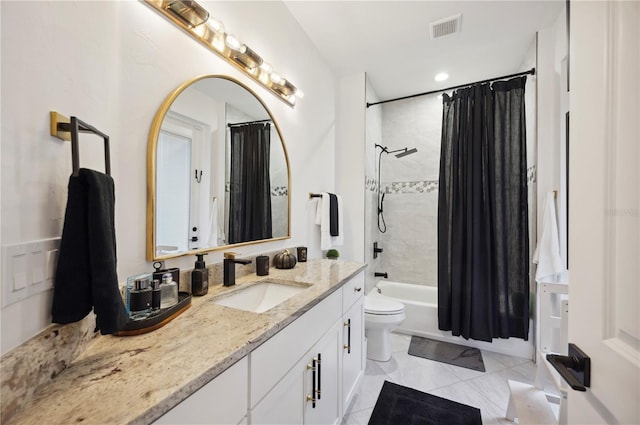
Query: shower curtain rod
x: 247, y: 123
x: 532, y: 71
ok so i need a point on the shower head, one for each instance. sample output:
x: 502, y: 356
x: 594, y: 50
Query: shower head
x: 406, y: 152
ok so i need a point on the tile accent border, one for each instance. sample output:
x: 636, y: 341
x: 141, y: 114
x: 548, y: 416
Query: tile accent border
x: 396, y: 188
x: 532, y: 173
x: 275, y: 190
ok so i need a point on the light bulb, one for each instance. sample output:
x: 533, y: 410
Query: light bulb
x: 215, y: 25
x: 233, y: 43
x: 441, y: 76
x: 276, y: 78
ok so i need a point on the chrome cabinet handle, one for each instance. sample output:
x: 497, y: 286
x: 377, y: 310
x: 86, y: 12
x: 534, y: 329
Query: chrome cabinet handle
x: 348, y: 346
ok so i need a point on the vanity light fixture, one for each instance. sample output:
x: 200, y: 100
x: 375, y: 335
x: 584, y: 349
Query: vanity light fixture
x: 247, y: 57
x: 212, y: 33
x: 189, y: 12
x: 196, y: 21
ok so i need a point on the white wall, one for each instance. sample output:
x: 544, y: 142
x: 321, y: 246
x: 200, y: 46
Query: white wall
x: 552, y: 49
x: 111, y: 64
x: 373, y: 136
x: 350, y: 162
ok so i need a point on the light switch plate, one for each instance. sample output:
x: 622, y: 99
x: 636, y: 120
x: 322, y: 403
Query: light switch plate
x: 28, y: 269
x: 20, y: 273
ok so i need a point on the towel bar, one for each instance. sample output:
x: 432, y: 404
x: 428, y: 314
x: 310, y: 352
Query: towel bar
x: 67, y: 129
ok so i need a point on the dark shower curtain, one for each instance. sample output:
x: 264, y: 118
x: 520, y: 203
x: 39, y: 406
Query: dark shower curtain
x: 250, y: 186
x: 483, y: 240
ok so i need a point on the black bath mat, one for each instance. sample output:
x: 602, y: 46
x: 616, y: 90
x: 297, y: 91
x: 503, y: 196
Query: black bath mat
x: 446, y: 352
x: 401, y: 405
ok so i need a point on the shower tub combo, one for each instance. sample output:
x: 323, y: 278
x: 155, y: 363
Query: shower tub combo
x: 421, y: 310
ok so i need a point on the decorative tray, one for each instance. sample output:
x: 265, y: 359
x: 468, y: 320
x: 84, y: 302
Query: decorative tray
x: 138, y: 327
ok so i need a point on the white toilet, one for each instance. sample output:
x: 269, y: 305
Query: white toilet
x: 381, y: 316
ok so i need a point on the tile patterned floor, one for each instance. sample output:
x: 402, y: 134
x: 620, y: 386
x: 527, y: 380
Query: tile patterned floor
x: 487, y: 391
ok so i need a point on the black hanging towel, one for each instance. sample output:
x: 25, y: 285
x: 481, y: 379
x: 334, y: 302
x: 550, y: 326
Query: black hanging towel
x: 333, y: 215
x: 86, y: 276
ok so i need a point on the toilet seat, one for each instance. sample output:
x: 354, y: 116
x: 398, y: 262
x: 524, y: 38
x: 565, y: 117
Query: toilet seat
x: 382, y: 306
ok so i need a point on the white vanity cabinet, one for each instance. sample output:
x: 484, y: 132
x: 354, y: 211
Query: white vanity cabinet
x: 221, y: 401
x: 306, y: 373
x: 285, y: 377
x: 353, y: 350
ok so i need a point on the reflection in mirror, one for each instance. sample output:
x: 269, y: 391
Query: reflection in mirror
x: 217, y: 169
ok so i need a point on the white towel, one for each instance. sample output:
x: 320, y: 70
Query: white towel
x: 547, y: 253
x: 216, y: 232
x: 323, y: 220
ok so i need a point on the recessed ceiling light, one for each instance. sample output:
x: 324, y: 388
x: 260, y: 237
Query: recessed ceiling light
x: 441, y: 76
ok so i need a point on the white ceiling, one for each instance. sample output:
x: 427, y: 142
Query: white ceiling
x: 390, y: 40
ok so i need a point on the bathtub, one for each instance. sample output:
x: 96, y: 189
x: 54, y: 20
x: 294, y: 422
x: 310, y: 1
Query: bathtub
x: 421, y: 310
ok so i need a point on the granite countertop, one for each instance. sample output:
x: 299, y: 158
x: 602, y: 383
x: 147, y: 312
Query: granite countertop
x: 136, y: 379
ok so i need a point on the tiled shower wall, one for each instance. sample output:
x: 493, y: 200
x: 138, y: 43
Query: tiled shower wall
x: 410, y: 185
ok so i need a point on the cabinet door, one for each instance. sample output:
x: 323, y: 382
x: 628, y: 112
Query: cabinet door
x: 353, y: 359
x: 326, y: 407
x: 283, y: 405
x: 221, y: 401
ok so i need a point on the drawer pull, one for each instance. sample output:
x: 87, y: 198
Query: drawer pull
x: 313, y: 369
x: 348, y: 346
x: 357, y: 289
x: 319, y: 363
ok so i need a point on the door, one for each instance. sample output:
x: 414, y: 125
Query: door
x: 173, y: 193
x: 183, y: 183
x: 604, y: 231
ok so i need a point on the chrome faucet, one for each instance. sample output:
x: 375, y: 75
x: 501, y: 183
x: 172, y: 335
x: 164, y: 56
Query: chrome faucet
x: 229, y: 268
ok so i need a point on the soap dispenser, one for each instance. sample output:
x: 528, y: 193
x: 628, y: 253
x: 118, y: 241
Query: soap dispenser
x: 200, y: 277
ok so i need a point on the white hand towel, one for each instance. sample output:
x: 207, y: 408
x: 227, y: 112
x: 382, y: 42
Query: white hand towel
x: 547, y: 253
x: 215, y: 231
x: 323, y: 220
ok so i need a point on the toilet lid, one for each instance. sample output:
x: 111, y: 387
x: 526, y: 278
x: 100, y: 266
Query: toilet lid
x: 377, y: 305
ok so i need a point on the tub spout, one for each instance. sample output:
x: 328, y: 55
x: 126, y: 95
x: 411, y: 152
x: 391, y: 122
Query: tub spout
x: 376, y: 274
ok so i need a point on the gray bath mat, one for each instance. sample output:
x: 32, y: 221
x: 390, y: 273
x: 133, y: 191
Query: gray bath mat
x: 446, y: 352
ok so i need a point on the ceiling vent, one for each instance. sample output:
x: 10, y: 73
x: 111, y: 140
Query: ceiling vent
x: 447, y: 26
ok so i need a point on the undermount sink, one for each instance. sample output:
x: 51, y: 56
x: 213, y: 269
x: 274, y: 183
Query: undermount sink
x: 260, y: 297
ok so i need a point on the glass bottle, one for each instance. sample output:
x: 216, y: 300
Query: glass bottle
x: 168, y: 291
x: 140, y: 299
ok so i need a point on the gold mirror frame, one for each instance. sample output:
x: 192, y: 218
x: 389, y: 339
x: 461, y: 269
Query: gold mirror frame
x: 152, y: 144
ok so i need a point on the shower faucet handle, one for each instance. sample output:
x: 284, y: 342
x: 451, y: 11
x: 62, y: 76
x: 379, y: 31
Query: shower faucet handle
x: 376, y: 250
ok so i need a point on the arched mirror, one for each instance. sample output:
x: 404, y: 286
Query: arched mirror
x: 217, y: 171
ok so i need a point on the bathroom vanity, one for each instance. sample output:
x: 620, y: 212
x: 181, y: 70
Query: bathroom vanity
x: 298, y: 362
